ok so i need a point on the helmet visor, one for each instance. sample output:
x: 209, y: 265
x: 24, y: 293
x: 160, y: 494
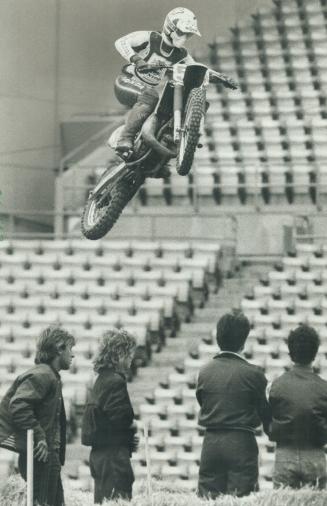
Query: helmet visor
x: 180, y: 33
x: 188, y: 28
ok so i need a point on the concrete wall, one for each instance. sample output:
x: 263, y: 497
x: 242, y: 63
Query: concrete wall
x: 57, y: 59
x: 28, y: 122
x: 253, y: 234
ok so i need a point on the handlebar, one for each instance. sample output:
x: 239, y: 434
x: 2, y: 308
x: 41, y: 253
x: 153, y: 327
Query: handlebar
x: 215, y: 77
x: 148, y: 68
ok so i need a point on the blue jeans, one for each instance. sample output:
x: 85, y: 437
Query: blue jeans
x: 296, y: 467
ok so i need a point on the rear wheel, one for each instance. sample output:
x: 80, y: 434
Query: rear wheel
x: 193, y: 114
x: 102, y: 211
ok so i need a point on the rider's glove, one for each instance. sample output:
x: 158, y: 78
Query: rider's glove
x: 138, y: 61
x: 230, y: 83
x: 226, y: 81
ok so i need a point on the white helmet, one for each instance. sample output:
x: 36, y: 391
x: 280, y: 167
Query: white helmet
x: 179, y: 25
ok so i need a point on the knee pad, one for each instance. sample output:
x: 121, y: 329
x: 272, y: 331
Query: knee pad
x: 149, y: 97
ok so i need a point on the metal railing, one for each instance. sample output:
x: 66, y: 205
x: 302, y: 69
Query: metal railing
x: 247, y: 195
x: 251, y: 187
x: 10, y: 218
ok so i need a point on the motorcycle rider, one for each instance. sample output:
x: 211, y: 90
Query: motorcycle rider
x: 142, y: 48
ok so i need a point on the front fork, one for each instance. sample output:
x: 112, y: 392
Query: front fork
x: 178, y: 107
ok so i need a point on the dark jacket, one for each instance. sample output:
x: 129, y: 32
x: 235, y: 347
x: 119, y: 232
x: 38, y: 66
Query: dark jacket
x: 33, y: 402
x: 110, y: 410
x: 298, y: 401
x: 231, y: 393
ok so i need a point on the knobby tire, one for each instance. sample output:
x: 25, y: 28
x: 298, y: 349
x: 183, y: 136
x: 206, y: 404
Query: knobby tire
x: 195, y: 101
x: 120, y: 195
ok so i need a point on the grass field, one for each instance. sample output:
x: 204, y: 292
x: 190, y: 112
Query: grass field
x: 12, y: 493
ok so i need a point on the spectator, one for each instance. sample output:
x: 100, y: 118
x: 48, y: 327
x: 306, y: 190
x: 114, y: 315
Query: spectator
x: 231, y: 394
x: 108, y: 422
x: 298, y: 401
x: 34, y: 401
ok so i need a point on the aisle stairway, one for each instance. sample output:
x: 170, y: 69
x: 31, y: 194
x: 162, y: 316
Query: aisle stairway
x: 204, y: 321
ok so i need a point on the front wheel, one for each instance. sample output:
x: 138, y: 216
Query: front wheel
x: 193, y: 114
x: 102, y: 211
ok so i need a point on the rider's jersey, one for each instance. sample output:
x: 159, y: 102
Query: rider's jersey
x: 151, y: 47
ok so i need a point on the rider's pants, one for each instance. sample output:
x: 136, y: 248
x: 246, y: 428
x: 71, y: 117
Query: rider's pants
x: 141, y: 98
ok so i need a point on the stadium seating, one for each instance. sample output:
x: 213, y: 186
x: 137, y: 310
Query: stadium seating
x: 264, y: 144
x: 270, y: 133
x: 287, y: 295
x: 148, y: 288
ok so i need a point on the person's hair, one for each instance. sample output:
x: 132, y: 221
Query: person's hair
x: 232, y: 330
x: 303, y: 343
x: 52, y: 340
x: 115, y: 345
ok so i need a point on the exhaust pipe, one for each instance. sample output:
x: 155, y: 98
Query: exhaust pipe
x: 148, y: 133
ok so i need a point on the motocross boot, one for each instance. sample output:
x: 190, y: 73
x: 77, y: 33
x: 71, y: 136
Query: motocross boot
x: 134, y: 121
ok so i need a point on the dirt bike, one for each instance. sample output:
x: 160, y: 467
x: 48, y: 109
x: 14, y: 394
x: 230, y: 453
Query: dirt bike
x: 173, y: 130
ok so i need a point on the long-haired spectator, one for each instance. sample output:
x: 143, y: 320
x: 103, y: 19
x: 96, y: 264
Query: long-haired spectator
x: 108, y: 422
x: 231, y: 394
x: 34, y: 401
x: 298, y: 399
x: 116, y: 347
